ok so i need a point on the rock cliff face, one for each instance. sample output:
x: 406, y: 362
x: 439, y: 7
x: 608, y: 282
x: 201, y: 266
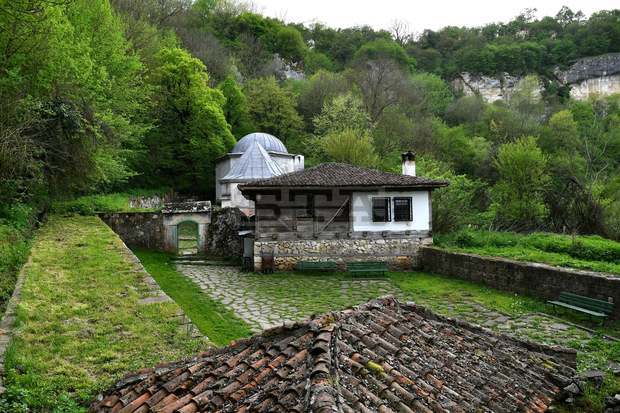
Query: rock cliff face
x: 587, y: 76
x: 490, y: 88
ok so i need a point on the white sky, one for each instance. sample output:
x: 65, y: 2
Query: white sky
x: 420, y: 15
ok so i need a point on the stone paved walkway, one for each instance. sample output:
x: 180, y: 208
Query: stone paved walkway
x: 265, y: 301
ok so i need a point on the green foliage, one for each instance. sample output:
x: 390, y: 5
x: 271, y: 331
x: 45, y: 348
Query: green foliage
x: 429, y: 94
x: 456, y: 206
x: 523, y: 179
x: 104, y: 203
x: 73, y: 94
x: 191, y: 132
x: 342, y: 113
x: 352, y: 146
x: 383, y: 49
x: 235, y: 108
x: 16, y: 223
x: 289, y: 44
x: 320, y: 88
x: 586, y: 252
x: 272, y: 109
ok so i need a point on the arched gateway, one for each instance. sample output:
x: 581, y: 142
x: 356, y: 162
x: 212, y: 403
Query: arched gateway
x: 180, y: 212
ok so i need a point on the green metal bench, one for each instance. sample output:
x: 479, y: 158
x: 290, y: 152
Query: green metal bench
x: 316, y: 266
x: 367, y: 267
x: 592, y: 307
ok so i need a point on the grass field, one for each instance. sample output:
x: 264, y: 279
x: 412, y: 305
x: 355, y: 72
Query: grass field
x: 212, y: 318
x: 582, y: 252
x: 80, y: 323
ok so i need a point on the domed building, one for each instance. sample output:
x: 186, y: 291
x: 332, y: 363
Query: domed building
x: 256, y: 156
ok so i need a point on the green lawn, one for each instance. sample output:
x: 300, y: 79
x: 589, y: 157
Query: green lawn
x: 212, y: 318
x: 582, y: 252
x: 80, y: 325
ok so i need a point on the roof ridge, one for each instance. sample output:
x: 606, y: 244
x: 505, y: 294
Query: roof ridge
x: 338, y: 174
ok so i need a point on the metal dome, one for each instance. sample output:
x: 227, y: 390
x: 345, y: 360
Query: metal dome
x: 269, y: 142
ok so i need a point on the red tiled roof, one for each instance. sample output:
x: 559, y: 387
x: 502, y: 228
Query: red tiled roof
x: 383, y: 356
x: 343, y: 175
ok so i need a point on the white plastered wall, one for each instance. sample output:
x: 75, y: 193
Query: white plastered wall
x: 362, y: 212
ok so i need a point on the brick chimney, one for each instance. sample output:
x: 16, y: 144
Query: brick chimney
x: 408, y: 159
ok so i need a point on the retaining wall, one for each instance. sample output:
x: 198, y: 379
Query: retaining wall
x: 539, y: 280
x: 138, y: 229
x: 399, y: 253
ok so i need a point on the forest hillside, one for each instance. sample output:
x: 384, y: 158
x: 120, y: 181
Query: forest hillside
x: 117, y: 94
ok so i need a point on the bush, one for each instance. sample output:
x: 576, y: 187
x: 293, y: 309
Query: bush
x: 15, y: 228
x: 588, y: 248
x: 92, y: 204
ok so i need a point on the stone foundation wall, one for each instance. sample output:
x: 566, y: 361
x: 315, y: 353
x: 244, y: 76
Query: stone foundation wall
x: 138, y: 229
x: 399, y: 254
x: 539, y: 280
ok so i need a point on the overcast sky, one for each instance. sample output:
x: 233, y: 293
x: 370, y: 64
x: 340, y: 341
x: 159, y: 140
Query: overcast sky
x: 419, y: 14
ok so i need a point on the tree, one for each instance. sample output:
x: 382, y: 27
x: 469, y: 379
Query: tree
x: 289, y: 44
x: 518, y: 196
x: 235, y: 108
x: 343, y: 112
x: 427, y: 94
x: 318, y: 89
x: 383, y: 49
x: 401, y: 32
x: 349, y: 146
x: 191, y: 130
x: 458, y: 205
x: 272, y: 109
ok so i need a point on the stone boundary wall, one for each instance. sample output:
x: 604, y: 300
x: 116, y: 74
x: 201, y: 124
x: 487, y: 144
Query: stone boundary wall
x: 138, y: 229
x: 218, y: 230
x: 539, y: 280
x: 8, y: 320
x: 399, y: 254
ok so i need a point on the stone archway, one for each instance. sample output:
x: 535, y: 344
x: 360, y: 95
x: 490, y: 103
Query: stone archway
x: 176, y: 213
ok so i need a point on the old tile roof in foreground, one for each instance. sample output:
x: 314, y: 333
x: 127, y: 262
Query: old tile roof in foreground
x: 343, y: 175
x: 382, y: 356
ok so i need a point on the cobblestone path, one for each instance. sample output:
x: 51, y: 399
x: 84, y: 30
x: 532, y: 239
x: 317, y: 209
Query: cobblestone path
x: 265, y: 301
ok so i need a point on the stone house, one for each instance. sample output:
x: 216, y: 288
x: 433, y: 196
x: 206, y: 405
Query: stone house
x: 343, y: 213
x: 255, y: 156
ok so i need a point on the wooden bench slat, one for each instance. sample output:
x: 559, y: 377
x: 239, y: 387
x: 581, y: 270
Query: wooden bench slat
x: 367, y: 267
x: 316, y: 266
x: 586, y: 302
x: 572, y: 307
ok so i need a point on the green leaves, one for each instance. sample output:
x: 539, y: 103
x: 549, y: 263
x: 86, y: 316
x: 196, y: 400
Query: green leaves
x: 191, y: 126
x: 523, y: 178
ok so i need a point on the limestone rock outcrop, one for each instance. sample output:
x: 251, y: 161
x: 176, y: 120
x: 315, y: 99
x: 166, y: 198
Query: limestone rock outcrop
x: 587, y: 76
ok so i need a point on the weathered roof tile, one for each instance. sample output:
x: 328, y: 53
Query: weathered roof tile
x: 382, y: 356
